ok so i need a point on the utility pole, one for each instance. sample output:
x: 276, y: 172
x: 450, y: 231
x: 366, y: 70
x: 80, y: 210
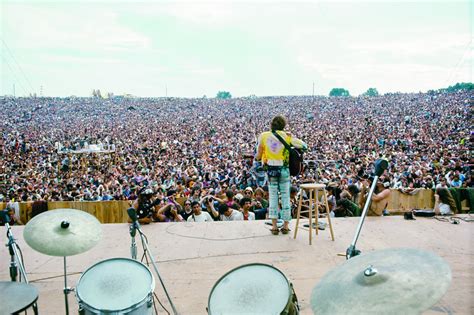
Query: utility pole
x: 313, y: 90
x: 41, y: 91
x: 14, y: 95
x: 166, y: 90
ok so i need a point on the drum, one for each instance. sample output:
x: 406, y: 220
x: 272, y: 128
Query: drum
x: 253, y: 289
x: 118, y: 286
x: 16, y: 297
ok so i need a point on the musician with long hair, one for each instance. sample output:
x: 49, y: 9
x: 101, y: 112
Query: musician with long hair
x: 275, y: 158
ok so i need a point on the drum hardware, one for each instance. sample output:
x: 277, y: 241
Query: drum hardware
x: 380, y: 166
x: 390, y: 281
x: 135, y: 226
x: 16, y: 262
x: 63, y: 232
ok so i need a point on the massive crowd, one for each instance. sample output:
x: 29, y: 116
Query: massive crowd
x: 196, y: 147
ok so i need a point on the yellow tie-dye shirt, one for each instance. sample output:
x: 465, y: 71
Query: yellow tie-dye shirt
x: 273, y: 151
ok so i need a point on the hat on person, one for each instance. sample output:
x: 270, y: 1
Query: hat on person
x: 238, y: 196
x: 249, y: 189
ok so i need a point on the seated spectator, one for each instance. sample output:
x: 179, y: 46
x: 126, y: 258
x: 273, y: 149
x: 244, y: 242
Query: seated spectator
x: 198, y: 215
x: 444, y: 202
x: 169, y: 213
x: 246, y: 204
x: 260, y: 205
x: 345, y: 207
x: 187, y: 210
x: 208, y: 204
x: 229, y: 214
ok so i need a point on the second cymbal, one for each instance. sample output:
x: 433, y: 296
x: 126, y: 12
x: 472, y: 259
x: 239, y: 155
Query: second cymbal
x: 391, y: 281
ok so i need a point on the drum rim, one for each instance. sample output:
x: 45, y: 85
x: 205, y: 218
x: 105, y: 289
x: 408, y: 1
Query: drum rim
x: 81, y: 301
x: 247, y: 265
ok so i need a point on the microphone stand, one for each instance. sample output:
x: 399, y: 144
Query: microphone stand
x: 146, y: 250
x: 133, y: 245
x: 15, y: 261
x: 380, y: 166
x: 351, y: 250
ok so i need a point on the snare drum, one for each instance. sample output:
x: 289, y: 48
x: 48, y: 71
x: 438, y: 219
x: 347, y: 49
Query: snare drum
x: 118, y: 286
x: 253, y: 289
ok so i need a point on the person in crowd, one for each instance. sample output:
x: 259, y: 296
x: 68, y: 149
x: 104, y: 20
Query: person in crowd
x: 246, y: 205
x: 229, y: 214
x: 187, y: 211
x: 275, y: 158
x: 260, y: 205
x: 146, y: 206
x: 169, y: 213
x: 444, y: 202
x: 198, y: 215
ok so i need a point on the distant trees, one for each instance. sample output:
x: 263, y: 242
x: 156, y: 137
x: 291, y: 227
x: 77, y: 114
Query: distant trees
x: 460, y: 86
x: 371, y: 92
x: 96, y: 93
x: 454, y: 88
x: 223, y: 95
x: 339, y: 92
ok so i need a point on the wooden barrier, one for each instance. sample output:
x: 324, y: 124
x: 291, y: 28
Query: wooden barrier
x: 116, y: 211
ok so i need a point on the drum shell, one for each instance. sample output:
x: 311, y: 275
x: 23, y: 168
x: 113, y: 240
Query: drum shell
x: 145, y: 306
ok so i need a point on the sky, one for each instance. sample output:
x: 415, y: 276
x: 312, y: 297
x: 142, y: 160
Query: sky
x: 195, y: 48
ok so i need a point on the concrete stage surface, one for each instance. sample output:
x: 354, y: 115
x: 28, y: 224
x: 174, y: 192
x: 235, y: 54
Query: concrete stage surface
x: 191, y: 257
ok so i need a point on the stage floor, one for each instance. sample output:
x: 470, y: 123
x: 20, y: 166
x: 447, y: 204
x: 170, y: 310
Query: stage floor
x: 191, y: 257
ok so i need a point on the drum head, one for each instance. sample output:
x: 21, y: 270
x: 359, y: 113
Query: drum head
x: 250, y: 289
x: 115, y: 284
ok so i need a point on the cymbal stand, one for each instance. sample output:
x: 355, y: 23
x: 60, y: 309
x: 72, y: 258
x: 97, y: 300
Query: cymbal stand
x: 15, y: 261
x: 67, y: 289
x: 351, y: 250
x: 146, y: 251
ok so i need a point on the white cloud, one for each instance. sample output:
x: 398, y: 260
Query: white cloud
x: 72, y: 26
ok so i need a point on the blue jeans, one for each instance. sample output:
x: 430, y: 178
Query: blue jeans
x: 279, y: 187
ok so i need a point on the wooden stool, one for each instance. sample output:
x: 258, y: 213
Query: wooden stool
x: 313, y: 190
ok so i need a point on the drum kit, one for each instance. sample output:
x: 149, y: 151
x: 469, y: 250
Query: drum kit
x: 117, y: 285
x: 391, y: 281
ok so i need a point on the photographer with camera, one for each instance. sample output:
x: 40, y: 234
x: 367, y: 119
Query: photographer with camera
x: 169, y: 213
x: 146, y: 206
x: 208, y: 203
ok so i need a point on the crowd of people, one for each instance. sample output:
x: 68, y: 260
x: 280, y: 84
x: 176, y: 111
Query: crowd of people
x: 203, y: 149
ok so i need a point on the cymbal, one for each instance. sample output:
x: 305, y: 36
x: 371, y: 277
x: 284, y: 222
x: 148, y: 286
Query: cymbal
x: 391, y: 281
x: 62, y: 232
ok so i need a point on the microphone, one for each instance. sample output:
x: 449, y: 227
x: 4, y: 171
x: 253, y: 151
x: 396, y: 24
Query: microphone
x: 380, y: 166
x: 132, y: 214
x: 4, y: 217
